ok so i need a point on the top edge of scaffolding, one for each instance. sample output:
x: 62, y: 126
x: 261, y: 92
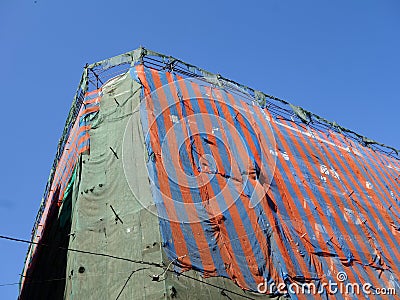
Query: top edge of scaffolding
x: 169, y: 63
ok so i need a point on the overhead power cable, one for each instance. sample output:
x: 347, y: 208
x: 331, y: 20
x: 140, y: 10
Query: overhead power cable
x: 127, y: 280
x: 85, y: 275
x: 85, y: 252
x: 159, y: 265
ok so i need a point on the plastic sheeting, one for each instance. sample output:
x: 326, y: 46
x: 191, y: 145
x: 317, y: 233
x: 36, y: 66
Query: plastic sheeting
x: 102, y: 194
x: 114, y: 213
x: 328, y: 205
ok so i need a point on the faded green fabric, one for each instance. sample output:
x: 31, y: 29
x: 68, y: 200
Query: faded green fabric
x: 65, y: 211
x: 260, y: 98
x: 129, y: 57
x: 101, y: 183
x: 305, y: 116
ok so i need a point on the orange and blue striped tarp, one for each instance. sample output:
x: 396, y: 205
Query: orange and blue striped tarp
x: 77, y: 143
x: 259, y: 198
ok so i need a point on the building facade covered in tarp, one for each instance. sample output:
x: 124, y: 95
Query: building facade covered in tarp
x: 173, y: 182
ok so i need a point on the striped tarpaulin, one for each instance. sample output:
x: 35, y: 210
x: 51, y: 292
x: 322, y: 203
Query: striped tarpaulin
x: 256, y: 198
x: 90, y: 106
x: 77, y: 143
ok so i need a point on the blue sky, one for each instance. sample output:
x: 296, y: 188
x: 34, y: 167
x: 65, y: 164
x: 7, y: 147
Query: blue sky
x: 338, y: 59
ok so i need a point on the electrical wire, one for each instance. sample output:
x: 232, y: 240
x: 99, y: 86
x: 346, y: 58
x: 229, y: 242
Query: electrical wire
x: 160, y: 265
x: 127, y: 280
x: 86, y: 252
x: 64, y: 278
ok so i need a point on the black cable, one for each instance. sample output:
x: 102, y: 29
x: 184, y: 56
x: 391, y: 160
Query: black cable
x: 56, y: 279
x: 86, y: 252
x: 33, y: 282
x: 124, y: 259
x: 8, y: 284
x: 225, y: 294
x: 126, y: 282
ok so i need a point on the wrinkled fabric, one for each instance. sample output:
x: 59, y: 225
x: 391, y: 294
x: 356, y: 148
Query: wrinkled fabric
x: 326, y: 205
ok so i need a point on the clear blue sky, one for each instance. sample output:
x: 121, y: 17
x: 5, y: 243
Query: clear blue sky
x: 339, y: 59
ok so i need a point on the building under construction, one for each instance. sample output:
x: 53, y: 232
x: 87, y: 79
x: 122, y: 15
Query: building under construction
x: 173, y: 182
